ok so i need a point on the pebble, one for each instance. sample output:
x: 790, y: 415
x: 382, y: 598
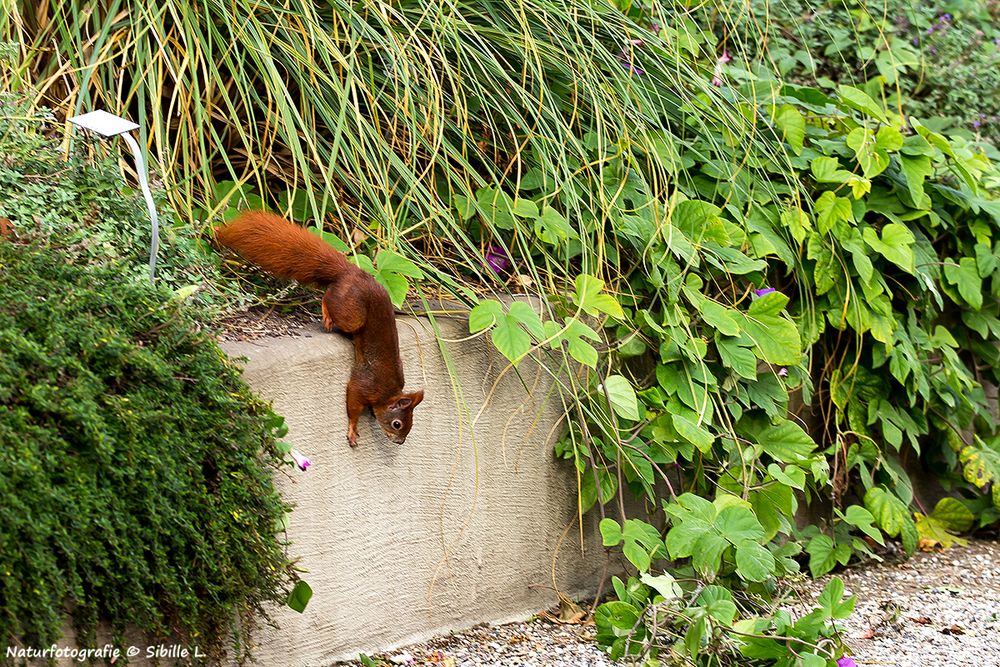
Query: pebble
x: 260, y: 322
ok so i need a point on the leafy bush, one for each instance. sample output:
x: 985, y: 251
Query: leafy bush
x: 894, y: 305
x: 936, y: 59
x: 135, y: 465
x: 680, y: 615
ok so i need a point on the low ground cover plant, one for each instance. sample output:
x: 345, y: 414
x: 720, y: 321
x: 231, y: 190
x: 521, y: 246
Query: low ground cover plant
x: 136, y: 466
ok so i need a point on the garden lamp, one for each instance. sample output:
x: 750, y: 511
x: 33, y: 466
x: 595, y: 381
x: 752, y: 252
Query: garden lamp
x: 108, y: 125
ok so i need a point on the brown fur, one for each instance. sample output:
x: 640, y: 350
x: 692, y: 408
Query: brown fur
x: 354, y: 304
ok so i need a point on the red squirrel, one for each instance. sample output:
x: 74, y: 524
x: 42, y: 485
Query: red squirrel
x: 353, y: 304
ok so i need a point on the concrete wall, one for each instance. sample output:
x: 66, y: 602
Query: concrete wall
x: 471, y: 520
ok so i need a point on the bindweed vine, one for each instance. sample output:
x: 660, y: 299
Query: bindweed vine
x: 781, y: 334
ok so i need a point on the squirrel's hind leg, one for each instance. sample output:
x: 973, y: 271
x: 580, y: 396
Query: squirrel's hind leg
x: 342, y: 313
x: 328, y: 324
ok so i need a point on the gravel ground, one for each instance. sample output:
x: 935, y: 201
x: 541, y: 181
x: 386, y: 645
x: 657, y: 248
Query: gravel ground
x: 935, y: 610
x: 532, y: 644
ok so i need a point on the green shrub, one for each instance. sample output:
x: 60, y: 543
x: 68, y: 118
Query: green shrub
x: 937, y: 60
x: 885, y: 322
x: 135, y: 465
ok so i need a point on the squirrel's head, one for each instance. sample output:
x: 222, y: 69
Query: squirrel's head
x: 396, y: 416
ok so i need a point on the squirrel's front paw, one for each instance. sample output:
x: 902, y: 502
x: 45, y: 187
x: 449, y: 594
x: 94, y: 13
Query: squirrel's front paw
x: 352, y: 437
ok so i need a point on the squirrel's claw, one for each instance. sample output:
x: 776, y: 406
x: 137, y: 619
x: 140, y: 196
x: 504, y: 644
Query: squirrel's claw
x: 352, y: 437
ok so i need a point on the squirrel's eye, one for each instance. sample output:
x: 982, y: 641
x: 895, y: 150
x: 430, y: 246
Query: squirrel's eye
x: 396, y: 424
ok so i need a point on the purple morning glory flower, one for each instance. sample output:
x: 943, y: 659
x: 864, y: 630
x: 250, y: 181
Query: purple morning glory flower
x: 497, y: 258
x: 301, y: 461
x: 945, y: 17
x: 846, y: 661
x: 782, y: 372
x: 763, y: 291
x: 632, y: 68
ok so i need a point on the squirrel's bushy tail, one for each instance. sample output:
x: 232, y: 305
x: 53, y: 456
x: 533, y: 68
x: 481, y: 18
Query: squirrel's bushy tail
x: 282, y: 248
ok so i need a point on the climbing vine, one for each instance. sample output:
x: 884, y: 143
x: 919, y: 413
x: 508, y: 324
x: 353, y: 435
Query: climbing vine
x: 783, y: 332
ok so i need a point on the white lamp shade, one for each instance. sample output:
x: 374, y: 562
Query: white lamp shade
x: 104, y: 123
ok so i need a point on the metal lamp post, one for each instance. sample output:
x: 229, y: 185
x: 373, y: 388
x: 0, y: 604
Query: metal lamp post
x: 108, y: 125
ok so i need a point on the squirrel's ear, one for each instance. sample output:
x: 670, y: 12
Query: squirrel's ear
x: 417, y: 396
x: 408, y: 401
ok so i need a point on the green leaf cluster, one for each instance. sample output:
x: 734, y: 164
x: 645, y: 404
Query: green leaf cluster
x: 517, y: 328
x: 935, y: 59
x: 876, y: 238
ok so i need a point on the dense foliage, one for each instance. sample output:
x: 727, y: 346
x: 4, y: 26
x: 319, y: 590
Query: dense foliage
x: 80, y: 200
x: 869, y: 292
x: 135, y: 466
x: 853, y: 282
x: 760, y: 294
x: 370, y: 118
x: 937, y: 60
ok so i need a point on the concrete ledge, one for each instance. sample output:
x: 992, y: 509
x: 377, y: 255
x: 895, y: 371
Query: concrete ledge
x: 471, y: 520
